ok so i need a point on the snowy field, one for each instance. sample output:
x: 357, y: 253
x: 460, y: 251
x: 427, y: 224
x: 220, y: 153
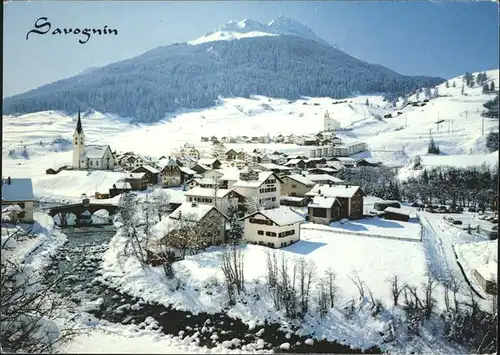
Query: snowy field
x: 375, y: 227
x: 47, y: 136
x: 373, y: 260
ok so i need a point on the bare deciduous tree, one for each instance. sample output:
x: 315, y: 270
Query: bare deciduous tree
x: 128, y: 213
x: 160, y: 200
x: 396, y: 289
x: 332, y: 287
x: 232, y: 265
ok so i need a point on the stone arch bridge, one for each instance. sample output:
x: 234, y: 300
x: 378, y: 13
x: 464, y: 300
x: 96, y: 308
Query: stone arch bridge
x: 79, y: 208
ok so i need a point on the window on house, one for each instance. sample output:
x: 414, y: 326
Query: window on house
x: 270, y: 245
x: 294, y: 186
x: 91, y: 163
x: 97, y: 163
x: 271, y: 234
x: 20, y: 204
x: 260, y: 232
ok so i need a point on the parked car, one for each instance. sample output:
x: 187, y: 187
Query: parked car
x: 457, y: 222
x: 472, y: 209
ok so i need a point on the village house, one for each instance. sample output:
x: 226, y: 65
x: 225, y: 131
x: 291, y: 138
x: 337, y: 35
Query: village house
x: 186, y: 174
x: 210, y: 163
x: 322, y: 171
x: 137, y: 181
x: 18, y: 192
x: 141, y: 161
x: 296, y: 185
x: 152, y: 174
x: 203, y: 183
x: 241, y: 155
x: 296, y: 163
x: 275, y: 228
x: 199, y: 168
x: 201, y: 218
x: 278, y: 169
x: 346, y: 162
x: 189, y: 151
x: 170, y: 174
x: 315, y: 162
x: 223, y: 199
x: 213, y: 174
x: 92, y: 157
x: 324, y: 207
x: 396, y: 214
x: 231, y: 155
x: 118, y: 188
x: 263, y: 188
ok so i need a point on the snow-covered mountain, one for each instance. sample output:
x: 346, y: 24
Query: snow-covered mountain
x: 282, y: 26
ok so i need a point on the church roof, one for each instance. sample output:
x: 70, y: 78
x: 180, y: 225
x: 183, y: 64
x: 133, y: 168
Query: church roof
x: 95, y: 151
x: 79, y: 128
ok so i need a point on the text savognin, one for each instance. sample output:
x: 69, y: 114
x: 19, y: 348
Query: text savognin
x: 43, y: 26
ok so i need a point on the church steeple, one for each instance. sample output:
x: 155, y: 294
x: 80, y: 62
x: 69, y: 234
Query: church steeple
x: 79, y: 128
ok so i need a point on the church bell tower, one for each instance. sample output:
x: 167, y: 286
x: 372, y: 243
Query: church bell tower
x: 79, y: 145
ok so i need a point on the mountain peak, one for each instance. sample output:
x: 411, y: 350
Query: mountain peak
x: 281, y: 26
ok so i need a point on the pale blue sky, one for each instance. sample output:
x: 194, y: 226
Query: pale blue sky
x: 441, y: 39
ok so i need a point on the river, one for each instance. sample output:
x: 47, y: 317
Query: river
x: 81, y: 255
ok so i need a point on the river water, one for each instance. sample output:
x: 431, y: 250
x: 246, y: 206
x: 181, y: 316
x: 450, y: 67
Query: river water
x: 81, y: 257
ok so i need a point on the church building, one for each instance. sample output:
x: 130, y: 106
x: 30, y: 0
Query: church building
x: 329, y: 123
x: 93, y: 157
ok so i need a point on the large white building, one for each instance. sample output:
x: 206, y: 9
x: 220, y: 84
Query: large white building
x: 275, y: 228
x: 263, y: 188
x: 94, y: 157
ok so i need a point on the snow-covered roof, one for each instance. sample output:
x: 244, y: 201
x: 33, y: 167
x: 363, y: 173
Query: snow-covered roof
x: 206, y: 161
x: 134, y: 176
x: 20, y: 189
x: 120, y: 184
x: 301, y: 179
x: 488, y: 271
x: 176, y: 196
x: 322, y: 202
x: 148, y: 168
x: 263, y: 176
x: 346, y: 159
x: 192, y: 212
x: 334, y: 191
x: 205, y: 192
x: 187, y: 171
x: 95, y: 151
x: 293, y: 162
x: 292, y: 198
x: 323, y: 177
x: 230, y: 175
x: 369, y: 160
x: 271, y: 166
x: 282, y: 216
x: 203, y: 181
x: 327, y: 170
x: 397, y: 211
